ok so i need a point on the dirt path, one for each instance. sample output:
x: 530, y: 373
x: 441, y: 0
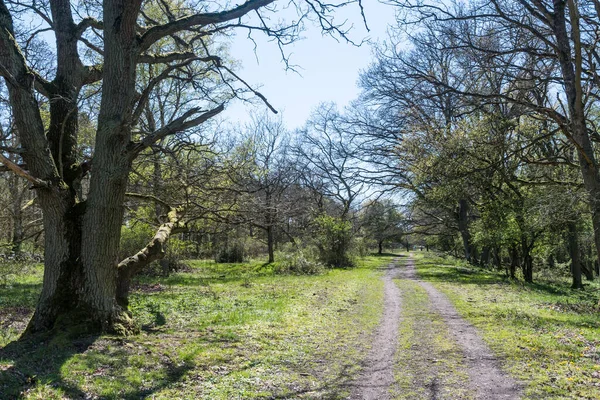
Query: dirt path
x: 486, y: 380
x: 378, y: 374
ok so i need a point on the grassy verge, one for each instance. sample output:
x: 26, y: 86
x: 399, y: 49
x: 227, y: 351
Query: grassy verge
x: 428, y: 362
x: 226, y: 331
x: 548, y: 334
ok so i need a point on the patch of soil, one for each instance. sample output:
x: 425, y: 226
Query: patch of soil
x: 15, y: 317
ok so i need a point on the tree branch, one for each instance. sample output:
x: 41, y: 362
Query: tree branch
x: 180, y: 124
x: 157, y: 32
x: 22, y: 173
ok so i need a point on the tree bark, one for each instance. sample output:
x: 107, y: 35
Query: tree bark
x: 270, y: 243
x: 498, y: 257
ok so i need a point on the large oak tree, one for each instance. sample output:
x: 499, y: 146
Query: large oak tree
x: 102, y: 47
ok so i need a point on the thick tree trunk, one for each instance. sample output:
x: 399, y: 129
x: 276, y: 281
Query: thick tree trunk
x: 380, y: 247
x: 63, y: 279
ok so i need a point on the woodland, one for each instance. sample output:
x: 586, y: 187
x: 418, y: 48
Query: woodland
x: 131, y: 212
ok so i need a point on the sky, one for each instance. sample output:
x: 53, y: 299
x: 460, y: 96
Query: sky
x: 328, y: 69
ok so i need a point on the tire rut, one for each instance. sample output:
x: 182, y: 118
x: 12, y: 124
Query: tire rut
x: 486, y: 378
x: 378, y: 374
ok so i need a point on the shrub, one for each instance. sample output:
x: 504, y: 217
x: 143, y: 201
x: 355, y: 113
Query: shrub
x: 334, y: 241
x: 296, y: 263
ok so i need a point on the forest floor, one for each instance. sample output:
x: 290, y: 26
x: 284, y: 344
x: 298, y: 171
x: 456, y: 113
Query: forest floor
x: 395, y: 327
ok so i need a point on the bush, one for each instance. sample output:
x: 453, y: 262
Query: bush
x: 334, y: 241
x: 296, y: 263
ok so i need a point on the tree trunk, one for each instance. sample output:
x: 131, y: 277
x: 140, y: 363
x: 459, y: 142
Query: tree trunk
x: 571, y: 64
x: 588, y: 270
x: 527, y: 262
x: 270, y: 222
x: 380, y: 246
x: 485, y: 257
x: 82, y: 239
x: 498, y: 258
x: 270, y: 244
x: 514, y: 261
x: 63, y: 279
x: 573, y: 241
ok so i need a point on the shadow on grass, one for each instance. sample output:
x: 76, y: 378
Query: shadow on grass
x: 330, y: 388
x: 388, y: 255
x: 40, y: 359
x: 432, y: 271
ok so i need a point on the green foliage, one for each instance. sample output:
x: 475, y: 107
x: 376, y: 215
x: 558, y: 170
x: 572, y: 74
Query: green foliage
x: 334, y: 240
x: 134, y: 238
x: 297, y: 262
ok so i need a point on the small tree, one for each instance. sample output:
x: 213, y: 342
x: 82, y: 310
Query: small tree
x: 383, y: 222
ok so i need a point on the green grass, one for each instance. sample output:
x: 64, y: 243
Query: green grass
x: 218, y: 331
x: 547, y: 334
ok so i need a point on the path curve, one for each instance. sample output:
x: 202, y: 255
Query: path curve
x: 378, y: 374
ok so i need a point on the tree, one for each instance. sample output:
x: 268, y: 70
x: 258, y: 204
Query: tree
x: 547, y: 50
x: 82, y: 276
x: 383, y: 222
x: 266, y: 173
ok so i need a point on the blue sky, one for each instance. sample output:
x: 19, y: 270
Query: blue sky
x: 329, y: 70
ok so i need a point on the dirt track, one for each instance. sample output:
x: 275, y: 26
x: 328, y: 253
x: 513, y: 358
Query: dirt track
x: 486, y: 380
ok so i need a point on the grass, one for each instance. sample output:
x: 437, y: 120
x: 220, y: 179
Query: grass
x: 217, y: 331
x: 547, y: 334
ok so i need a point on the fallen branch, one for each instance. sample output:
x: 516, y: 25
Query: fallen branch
x: 154, y: 250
